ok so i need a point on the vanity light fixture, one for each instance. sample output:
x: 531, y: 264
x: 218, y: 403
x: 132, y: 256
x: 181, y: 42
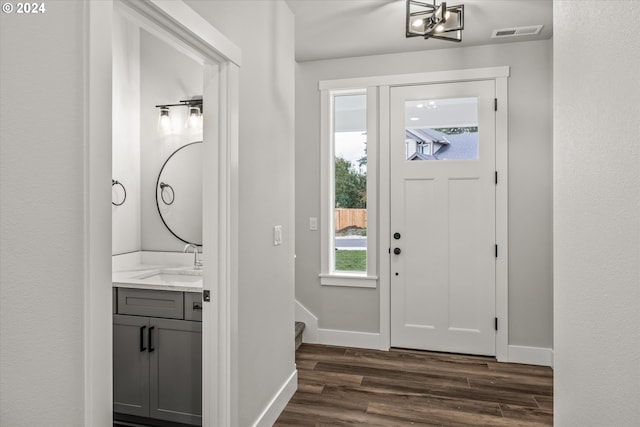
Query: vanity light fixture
x: 194, y: 116
x: 434, y: 21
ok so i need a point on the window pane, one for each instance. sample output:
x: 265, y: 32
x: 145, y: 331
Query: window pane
x: 442, y: 129
x: 350, y: 182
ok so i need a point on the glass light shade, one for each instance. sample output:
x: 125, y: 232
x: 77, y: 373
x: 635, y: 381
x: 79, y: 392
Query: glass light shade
x: 453, y: 21
x: 164, y: 120
x: 194, y: 118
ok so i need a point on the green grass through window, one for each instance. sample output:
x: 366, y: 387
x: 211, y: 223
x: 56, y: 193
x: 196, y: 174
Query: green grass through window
x: 351, y: 260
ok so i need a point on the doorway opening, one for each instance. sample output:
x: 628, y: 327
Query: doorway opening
x: 173, y: 23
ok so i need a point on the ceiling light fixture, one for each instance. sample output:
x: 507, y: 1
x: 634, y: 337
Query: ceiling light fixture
x: 436, y: 21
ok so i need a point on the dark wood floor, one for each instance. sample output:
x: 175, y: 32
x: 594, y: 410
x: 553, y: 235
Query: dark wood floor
x: 340, y: 386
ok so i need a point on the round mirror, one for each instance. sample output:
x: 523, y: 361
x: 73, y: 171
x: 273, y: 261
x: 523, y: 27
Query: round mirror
x: 179, y: 193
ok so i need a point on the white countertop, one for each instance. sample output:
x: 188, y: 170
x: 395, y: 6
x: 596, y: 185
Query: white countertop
x: 159, y: 277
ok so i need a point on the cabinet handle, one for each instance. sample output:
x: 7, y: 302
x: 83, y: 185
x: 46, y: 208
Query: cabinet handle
x: 151, y: 349
x: 197, y: 306
x: 142, y: 347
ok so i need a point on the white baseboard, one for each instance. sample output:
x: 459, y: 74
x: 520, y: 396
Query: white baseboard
x: 314, y: 335
x: 350, y: 339
x: 531, y: 355
x: 278, y: 403
x: 310, y: 333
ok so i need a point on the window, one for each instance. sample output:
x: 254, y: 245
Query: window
x: 350, y: 182
x: 348, y: 252
x: 442, y: 129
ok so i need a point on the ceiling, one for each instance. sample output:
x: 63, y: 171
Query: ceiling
x: 345, y: 28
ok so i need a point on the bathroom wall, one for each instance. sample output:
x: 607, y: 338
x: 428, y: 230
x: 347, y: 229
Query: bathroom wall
x: 167, y: 76
x: 530, y: 183
x: 126, y: 136
x: 147, y: 72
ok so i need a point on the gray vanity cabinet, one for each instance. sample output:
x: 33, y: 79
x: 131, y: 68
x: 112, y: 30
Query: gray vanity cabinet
x: 130, y: 365
x: 157, y: 362
x: 176, y: 371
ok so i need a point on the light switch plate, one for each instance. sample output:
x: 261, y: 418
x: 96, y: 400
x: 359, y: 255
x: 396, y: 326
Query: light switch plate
x: 313, y: 223
x: 277, y: 235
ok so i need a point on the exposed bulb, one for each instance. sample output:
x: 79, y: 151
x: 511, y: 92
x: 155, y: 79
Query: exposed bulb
x: 417, y: 23
x: 194, y: 119
x: 164, y: 120
x: 440, y: 28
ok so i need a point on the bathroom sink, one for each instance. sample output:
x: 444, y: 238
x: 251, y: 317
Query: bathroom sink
x: 172, y: 277
x: 168, y: 278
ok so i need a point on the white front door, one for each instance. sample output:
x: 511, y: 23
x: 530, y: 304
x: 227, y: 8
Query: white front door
x: 443, y: 217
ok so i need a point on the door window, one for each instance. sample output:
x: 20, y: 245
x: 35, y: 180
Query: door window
x: 441, y: 129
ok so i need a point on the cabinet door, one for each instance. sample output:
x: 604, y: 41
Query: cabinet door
x: 130, y: 365
x: 175, y: 357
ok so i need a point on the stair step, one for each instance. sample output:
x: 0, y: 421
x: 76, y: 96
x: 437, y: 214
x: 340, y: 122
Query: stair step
x: 299, y: 328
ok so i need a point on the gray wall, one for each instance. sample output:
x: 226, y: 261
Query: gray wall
x: 264, y: 31
x: 530, y: 183
x: 42, y: 342
x: 596, y: 214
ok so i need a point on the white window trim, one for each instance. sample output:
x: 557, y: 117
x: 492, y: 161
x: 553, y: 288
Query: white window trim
x: 328, y: 276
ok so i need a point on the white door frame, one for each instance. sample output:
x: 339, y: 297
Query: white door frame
x: 383, y: 84
x: 178, y: 24
x: 500, y: 75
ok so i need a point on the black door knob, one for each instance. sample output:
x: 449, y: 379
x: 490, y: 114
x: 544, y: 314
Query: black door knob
x: 396, y: 251
x: 396, y: 236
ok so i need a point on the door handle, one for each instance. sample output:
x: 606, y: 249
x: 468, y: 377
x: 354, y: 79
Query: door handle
x: 151, y: 349
x: 397, y: 251
x: 142, y: 347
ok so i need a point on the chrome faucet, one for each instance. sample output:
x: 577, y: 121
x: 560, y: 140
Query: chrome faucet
x: 197, y: 264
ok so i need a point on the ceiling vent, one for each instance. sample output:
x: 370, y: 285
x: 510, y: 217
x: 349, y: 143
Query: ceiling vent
x: 517, y: 31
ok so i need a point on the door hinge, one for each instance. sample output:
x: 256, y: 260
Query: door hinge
x: 496, y: 323
x: 496, y: 177
x: 206, y: 295
x: 496, y: 251
x: 495, y: 104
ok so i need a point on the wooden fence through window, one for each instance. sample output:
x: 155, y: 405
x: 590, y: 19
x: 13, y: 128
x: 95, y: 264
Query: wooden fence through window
x: 350, y: 218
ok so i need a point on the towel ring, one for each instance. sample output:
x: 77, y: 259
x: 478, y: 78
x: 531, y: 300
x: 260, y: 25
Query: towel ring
x: 114, y: 182
x: 164, y: 186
